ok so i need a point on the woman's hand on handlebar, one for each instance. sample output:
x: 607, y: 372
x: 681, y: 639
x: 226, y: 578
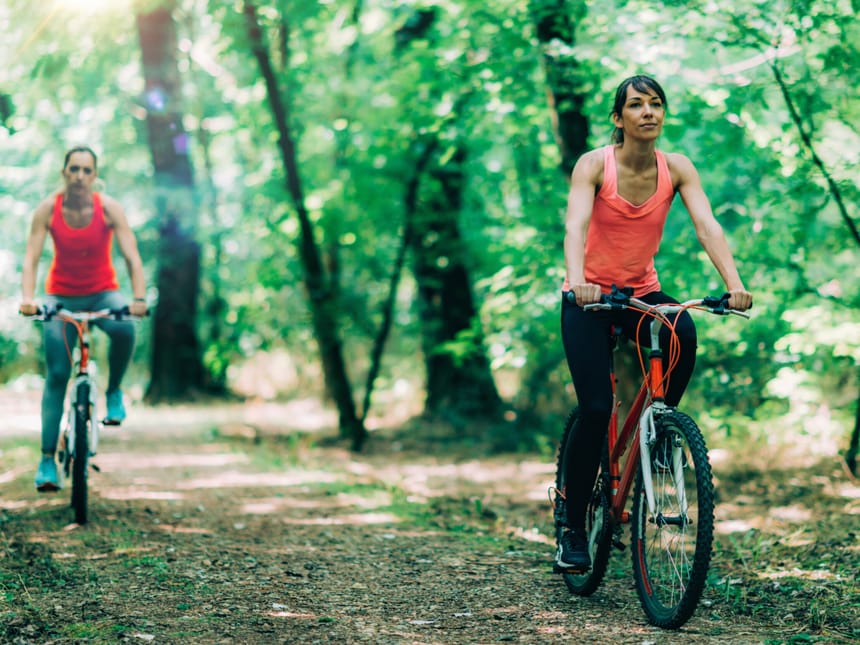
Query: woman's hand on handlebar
x: 740, y: 299
x: 28, y: 309
x: 138, y: 308
x: 586, y: 293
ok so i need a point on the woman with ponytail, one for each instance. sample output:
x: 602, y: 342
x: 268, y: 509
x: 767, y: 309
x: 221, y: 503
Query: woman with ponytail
x: 619, y: 198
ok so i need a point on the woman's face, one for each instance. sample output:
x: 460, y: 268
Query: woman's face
x: 642, y: 114
x: 80, y: 171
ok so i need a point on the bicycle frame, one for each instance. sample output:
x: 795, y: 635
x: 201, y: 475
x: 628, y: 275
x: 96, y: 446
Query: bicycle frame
x: 84, y: 338
x: 78, y: 440
x: 648, y: 400
x: 658, y: 460
x: 80, y: 321
x: 621, y: 480
x: 631, y: 441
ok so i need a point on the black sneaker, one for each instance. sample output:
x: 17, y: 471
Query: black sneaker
x: 573, y: 551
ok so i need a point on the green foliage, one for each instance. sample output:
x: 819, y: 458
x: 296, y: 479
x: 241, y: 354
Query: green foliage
x: 364, y: 91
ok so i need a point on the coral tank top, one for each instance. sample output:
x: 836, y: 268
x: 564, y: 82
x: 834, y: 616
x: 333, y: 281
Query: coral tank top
x: 82, y: 263
x: 623, y: 238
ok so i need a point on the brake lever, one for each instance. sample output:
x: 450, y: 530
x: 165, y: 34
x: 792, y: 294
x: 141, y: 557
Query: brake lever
x: 718, y: 305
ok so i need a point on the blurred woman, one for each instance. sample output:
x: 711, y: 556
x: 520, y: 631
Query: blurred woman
x: 82, y: 224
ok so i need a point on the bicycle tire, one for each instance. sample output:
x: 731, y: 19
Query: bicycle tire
x: 80, y: 458
x: 598, y: 523
x: 672, y: 550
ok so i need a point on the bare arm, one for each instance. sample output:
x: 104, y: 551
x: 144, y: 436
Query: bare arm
x: 115, y: 215
x: 709, y: 231
x: 35, y: 244
x: 586, y: 177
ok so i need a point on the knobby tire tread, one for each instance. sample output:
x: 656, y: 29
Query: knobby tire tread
x: 675, y: 615
x: 81, y: 419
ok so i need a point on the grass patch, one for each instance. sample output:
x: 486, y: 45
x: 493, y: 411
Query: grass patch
x: 152, y: 567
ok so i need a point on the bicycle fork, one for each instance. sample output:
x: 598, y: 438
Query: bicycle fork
x: 647, y: 440
x: 648, y: 431
x: 85, y: 372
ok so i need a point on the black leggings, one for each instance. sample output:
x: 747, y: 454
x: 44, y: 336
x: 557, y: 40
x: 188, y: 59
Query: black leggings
x: 585, y: 335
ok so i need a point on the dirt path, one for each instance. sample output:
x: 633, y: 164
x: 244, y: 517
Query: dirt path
x: 208, y: 527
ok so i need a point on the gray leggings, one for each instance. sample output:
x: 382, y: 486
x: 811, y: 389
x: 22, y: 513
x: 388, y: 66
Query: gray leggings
x: 59, y: 335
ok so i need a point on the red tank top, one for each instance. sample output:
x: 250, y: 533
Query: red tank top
x: 622, y: 238
x: 82, y: 263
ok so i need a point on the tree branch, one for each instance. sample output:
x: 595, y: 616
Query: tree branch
x: 411, y: 205
x: 807, y: 142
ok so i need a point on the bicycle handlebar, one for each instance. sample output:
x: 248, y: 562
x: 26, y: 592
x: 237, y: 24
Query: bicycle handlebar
x: 48, y: 312
x: 622, y: 298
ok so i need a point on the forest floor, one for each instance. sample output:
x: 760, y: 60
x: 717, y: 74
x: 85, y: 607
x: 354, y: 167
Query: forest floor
x: 215, y: 525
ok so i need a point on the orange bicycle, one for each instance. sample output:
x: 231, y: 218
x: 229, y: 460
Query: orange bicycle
x: 662, y: 452
x: 79, y: 433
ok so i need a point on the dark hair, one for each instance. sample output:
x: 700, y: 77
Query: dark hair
x: 86, y: 149
x: 640, y: 83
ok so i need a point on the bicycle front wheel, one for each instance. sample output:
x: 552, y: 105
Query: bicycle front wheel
x: 81, y: 454
x: 672, y: 542
x: 598, y: 524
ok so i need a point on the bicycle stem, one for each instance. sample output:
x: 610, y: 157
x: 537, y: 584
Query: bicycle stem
x: 83, y: 364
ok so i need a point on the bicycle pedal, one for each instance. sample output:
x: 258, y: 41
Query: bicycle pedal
x: 618, y: 544
x: 569, y: 570
x: 95, y: 467
x: 111, y: 422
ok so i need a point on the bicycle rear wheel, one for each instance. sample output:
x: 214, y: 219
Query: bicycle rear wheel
x: 81, y: 454
x: 672, y: 544
x: 598, y: 523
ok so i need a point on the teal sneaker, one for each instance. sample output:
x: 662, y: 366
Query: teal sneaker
x: 47, y: 477
x: 115, y: 409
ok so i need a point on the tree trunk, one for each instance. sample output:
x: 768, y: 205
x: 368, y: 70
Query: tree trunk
x: 459, y: 379
x: 321, y: 297
x: 555, y: 21
x: 177, y: 369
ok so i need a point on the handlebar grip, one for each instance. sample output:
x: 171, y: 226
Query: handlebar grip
x: 617, y: 299
x: 570, y: 296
